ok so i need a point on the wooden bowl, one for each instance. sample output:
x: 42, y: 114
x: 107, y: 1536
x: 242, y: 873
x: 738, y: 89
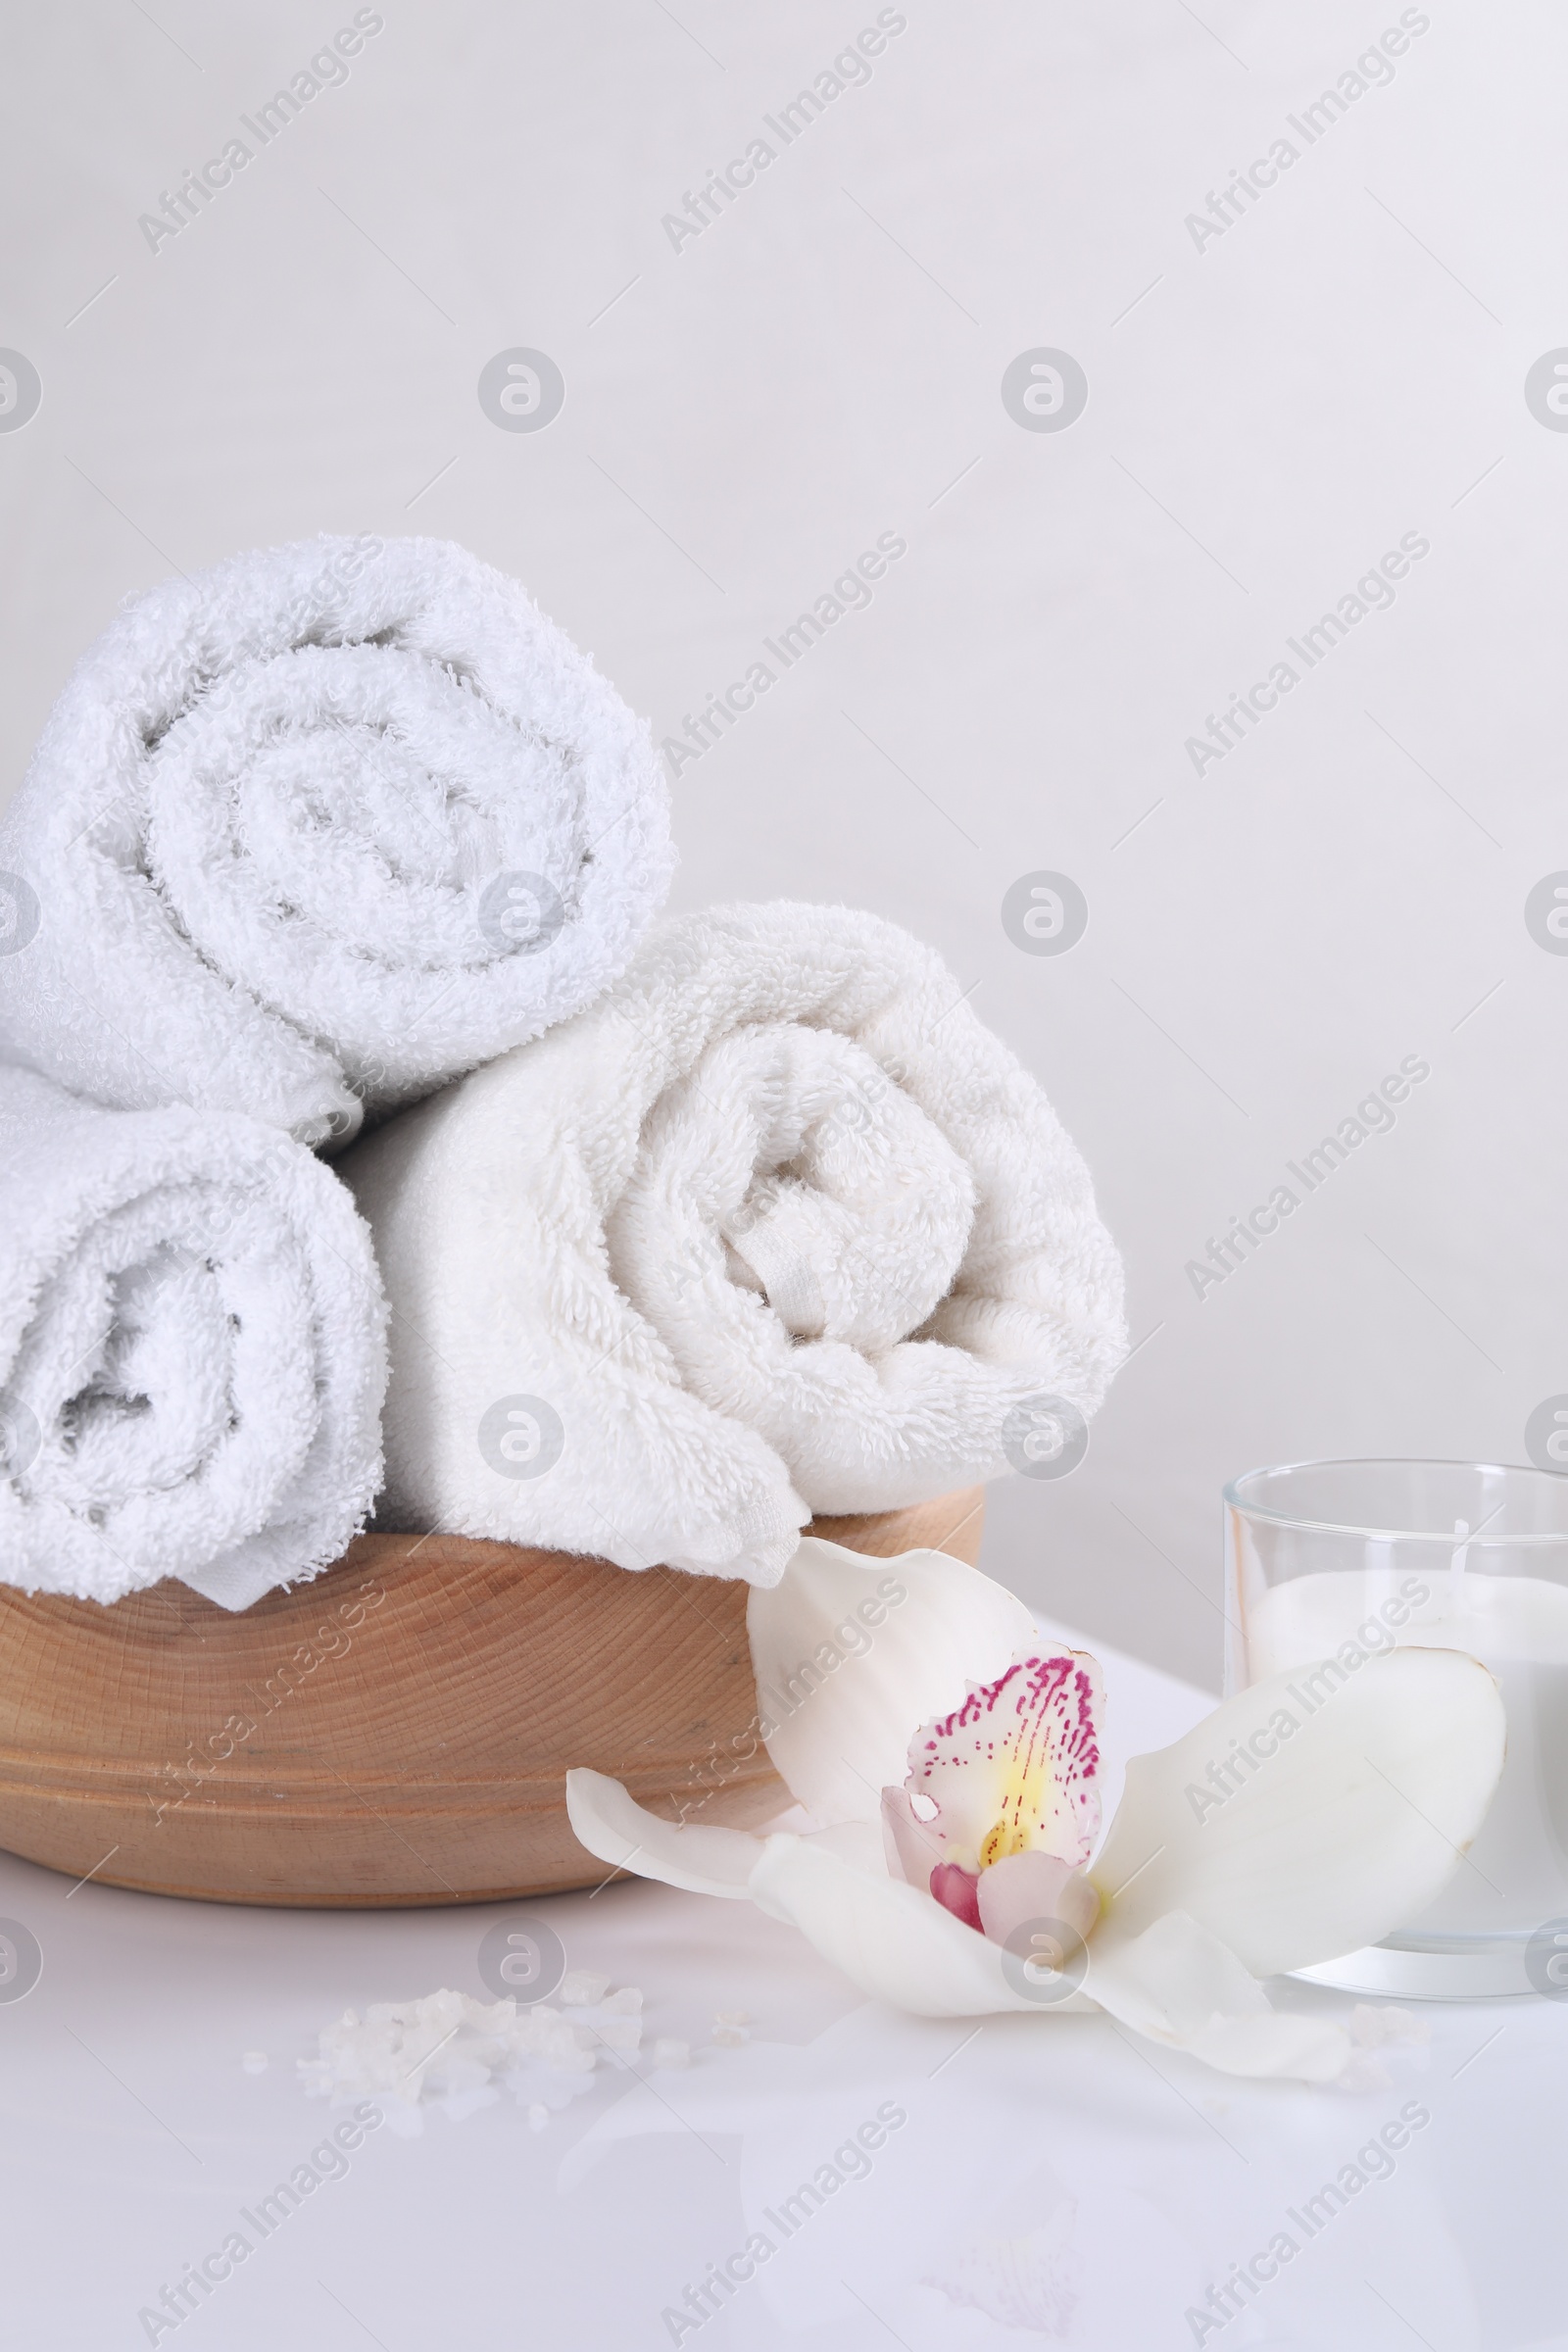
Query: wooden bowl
x: 395, y: 1732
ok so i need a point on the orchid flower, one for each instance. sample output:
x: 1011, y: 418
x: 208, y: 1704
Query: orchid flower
x: 949, y: 1757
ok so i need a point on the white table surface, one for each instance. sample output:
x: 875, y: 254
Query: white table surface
x: 1056, y: 2181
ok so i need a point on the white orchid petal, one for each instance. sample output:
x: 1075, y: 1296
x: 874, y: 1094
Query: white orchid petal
x: 1178, y: 1984
x: 611, y: 1824
x: 1350, y: 1798
x: 851, y: 1654
x: 911, y: 1848
x: 857, y: 1842
x: 889, y: 1938
x: 1026, y: 1888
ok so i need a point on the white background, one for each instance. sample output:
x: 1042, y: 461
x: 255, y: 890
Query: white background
x: 1266, y: 416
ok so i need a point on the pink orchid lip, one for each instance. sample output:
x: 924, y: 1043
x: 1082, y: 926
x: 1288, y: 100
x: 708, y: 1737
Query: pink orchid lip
x: 1014, y: 1769
x: 958, y: 1891
x: 1001, y: 1806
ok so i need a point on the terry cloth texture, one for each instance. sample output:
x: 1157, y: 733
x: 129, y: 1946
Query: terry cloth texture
x: 313, y: 831
x: 192, y: 1351
x: 777, y: 1228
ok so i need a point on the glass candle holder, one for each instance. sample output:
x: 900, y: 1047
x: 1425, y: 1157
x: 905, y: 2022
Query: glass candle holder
x: 1449, y: 1556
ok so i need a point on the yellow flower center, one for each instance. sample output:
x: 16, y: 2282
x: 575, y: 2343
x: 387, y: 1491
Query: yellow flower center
x: 1015, y: 1829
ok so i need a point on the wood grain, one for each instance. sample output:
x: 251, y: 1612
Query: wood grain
x: 395, y: 1732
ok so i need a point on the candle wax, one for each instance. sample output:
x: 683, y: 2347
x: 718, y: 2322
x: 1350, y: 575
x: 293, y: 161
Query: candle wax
x: 1516, y: 1876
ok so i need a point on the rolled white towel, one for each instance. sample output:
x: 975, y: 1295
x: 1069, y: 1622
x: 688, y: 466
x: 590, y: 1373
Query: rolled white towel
x: 777, y: 1228
x: 192, y: 1351
x: 315, y: 829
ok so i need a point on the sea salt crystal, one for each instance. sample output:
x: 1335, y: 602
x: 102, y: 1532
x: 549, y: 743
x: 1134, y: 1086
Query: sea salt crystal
x: 668, y: 2051
x: 580, y: 1989
x: 729, y: 2028
x: 1373, y: 2031
x: 450, y: 2048
x: 1385, y: 2026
